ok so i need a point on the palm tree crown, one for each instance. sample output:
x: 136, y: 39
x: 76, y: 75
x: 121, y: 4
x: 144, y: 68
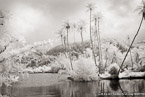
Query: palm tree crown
x: 81, y: 25
x: 91, y: 6
x: 67, y: 25
x: 142, y: 9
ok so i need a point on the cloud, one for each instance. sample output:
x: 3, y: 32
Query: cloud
x: 119, y: 18
x: 42, y: 18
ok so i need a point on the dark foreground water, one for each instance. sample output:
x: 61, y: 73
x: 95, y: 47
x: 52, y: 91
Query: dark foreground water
x: 122, y: 88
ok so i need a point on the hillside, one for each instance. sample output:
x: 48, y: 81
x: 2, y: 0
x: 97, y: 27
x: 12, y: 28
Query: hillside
x: 77, y: 47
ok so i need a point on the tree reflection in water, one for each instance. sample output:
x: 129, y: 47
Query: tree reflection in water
x: 77, y: 89
x: 114, y: 85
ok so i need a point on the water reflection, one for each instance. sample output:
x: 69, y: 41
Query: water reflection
x: 114, y: 85
x: 125, y: 88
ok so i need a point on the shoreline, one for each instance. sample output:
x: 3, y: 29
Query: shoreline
x: 41, y: 79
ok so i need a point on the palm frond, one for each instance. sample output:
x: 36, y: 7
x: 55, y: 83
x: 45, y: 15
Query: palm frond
x: 143, y: 2
x: 81, y: 25
x: 67, y: 25
x: 138, y: 8
x: 1, y: 14
x: 74, y: 25
x: 141, y: 11
x: 97, y: 16
x: 91, y: 6
x: 141, y: 8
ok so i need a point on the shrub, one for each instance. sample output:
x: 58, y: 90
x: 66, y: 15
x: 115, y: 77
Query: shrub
x: 113, y: 69
x: 84, y: 70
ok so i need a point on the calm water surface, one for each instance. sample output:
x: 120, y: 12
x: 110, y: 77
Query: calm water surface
x: 103, y: 88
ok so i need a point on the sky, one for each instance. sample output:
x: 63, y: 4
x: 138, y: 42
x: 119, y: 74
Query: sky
x: 38, y: 20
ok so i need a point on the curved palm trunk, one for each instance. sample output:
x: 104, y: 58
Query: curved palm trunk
x: 131, y: 44
x: 91, y: 39
x: 82, y: 36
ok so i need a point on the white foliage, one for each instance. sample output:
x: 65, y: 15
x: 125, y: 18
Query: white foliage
x: 64, y: 62
x: 84, y: 70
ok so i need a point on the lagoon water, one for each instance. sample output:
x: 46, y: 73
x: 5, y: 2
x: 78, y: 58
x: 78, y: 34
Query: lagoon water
x: 64, y: 88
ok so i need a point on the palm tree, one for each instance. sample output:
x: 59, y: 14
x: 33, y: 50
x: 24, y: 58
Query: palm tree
x: 96, y: 18
x: 99, y: 17
x: 64, y: 40
x: 74, y: 30
x: 91, y: 7
x: 67, y: 27
x: 1, y: 18
x: 61, y: 35
x: 81, y: 28
x: 142, y: 10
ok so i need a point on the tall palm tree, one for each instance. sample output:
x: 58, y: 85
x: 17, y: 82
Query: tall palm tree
x: 1, y: 18
x: 91, y: 7
x: 142, y: 11
x: 67, y: 27
x: 74, y: 31
x: 61, y: 35
x: 96, y: 19
x: 81, y: 28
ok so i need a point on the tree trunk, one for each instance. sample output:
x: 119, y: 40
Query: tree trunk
x: 65, y: 46
x: 131, y: 44
x: 67, y: 37
x: 91, y: 39
x: 62, y: 40
x: 100, y: 50
x: 82, y: 36
x: 69, y: 50
x: 97, y: 42
x: 74, y: 37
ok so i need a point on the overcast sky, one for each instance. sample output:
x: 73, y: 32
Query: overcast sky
x: 38, y: 20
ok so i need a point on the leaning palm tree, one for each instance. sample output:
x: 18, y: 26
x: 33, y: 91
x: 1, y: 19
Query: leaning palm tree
x: 81, y: 28
x: 142, y: 11
x: 91, y: 7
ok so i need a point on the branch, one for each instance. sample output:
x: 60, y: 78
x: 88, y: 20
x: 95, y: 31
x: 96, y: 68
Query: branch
x: 5, y: 47
x: 2, y: 60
